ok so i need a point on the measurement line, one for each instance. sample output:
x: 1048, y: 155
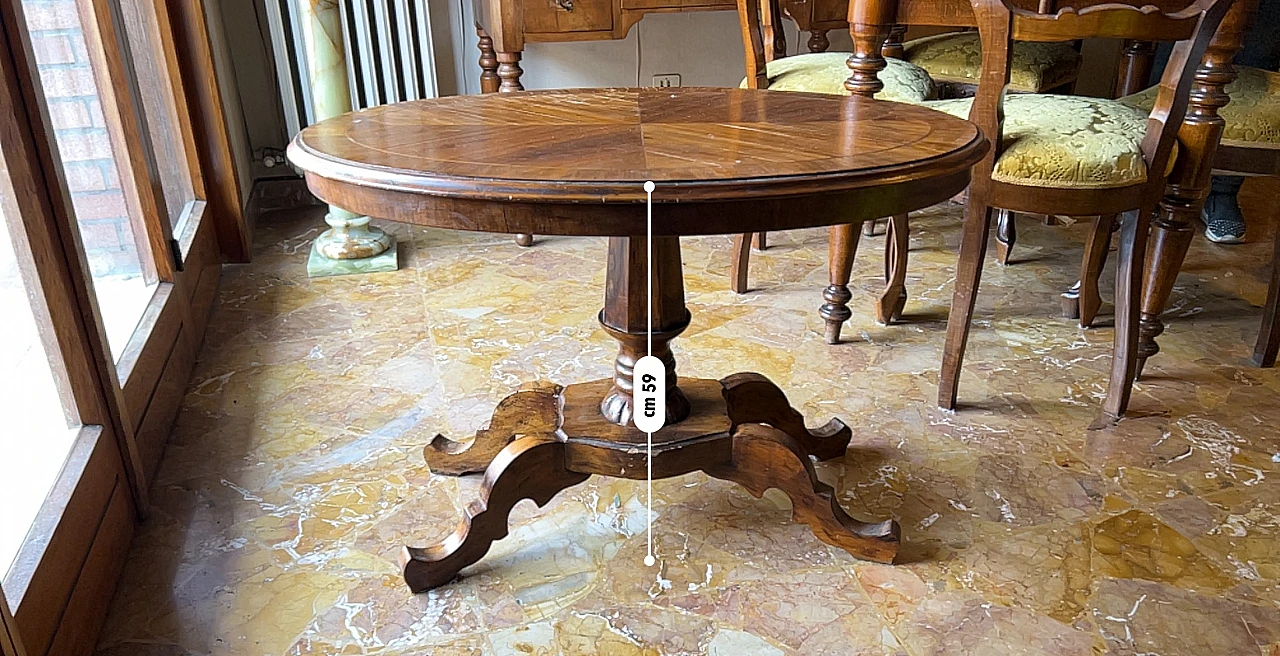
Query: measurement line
x: 648, y: 190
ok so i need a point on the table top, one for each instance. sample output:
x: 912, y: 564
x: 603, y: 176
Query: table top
x: 600, y: 146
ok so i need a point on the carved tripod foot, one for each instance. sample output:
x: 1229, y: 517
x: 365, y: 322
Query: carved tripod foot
x: 534, y: 411
x: 754, y: 399
x: 531, y: 467
x: 765, y: 457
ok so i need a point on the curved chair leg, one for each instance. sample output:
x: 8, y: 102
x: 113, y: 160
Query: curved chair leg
x: 741, y: 263
x: 765, y: 457
x: 759, y: 241
x: 973, y: 250
x: 1006, y: 235
x: 889, y: 307
x: 1264, y: 354
x: 1083, y: 301
x: 525, y: 412
x: 753, y: 399
x: 842, y: 247
x: 532, y: 467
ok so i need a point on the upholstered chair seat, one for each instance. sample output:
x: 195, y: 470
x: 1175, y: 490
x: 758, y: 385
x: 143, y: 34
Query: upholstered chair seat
x: 1252, y: 117
x: 1066, y: 142
x: 956, y: 58
x: 825, y: 72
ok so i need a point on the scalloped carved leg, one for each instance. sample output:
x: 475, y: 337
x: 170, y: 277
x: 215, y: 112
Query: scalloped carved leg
x: 754, y: 399
x: 894, y: 299
x: 534, y: 411
x: 531, y: 467
x: 764, y: 458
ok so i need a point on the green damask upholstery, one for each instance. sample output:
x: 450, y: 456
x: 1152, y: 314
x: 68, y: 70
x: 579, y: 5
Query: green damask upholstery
x: 957, y: 58
x: 825, y: 72
x: 1070, y: 142
x: 1253, y: 116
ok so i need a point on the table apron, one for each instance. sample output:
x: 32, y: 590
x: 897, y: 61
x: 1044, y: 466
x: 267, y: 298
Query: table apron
x: 629, y: 219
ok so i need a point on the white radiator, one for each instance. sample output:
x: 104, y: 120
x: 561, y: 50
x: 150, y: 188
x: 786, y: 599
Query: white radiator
x: 388, y: 44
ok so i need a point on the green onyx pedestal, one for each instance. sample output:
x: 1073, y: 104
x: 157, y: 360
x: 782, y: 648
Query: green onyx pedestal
x: 319, y: 266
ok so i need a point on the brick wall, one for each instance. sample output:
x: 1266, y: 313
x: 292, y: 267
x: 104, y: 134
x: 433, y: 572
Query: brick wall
x: 83, y: 142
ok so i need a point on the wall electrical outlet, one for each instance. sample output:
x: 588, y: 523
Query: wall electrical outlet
x: 667, y: 80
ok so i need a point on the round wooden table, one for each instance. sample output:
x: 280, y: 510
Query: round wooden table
x: 725, y: 161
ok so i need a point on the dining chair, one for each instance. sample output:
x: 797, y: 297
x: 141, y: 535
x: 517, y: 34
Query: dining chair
x: 1250, y: 146
x: 1073, y: 156
x: 954, y: 61
x: 1036, y: 64
x: 769, y: 67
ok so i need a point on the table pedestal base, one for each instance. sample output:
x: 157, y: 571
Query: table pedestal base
x: 543, y: 440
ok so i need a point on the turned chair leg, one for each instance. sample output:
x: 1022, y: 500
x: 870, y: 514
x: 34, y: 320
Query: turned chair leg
x: 1083, y: 301
x: 973, y: 250
x: 842, y: 247
x: 1264, y: 354
x: 1006, y: 235
x: 894, y: 298
x: 1129, y: 272
x: 740, y: 263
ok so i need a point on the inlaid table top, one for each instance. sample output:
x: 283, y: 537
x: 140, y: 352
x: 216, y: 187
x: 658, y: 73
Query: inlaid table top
x: 594, y: 146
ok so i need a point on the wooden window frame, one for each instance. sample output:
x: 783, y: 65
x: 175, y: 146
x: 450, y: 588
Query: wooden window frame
x: 77, y: 548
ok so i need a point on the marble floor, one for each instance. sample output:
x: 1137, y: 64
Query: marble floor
x: 295, y: 470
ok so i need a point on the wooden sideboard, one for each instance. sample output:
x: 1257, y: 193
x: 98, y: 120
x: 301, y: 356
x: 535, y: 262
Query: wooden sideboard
x: 504, y: 26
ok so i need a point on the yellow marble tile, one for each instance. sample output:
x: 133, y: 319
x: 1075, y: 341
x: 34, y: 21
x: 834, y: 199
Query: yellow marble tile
x: 295, y: 471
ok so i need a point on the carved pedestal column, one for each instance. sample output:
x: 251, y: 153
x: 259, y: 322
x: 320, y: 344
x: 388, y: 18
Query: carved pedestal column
x: 350, y: 245
x: 626, y: 315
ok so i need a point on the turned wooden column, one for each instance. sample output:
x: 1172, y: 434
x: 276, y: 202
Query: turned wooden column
x: 489, y: 79
x: 499, y: 72
x: 818, y: 41
x: 893, y: 45
x: 1175, y: 222
x: 870, y: 23
x: 509, y: 71
x: 1136, y: 60
x: 625, y: 317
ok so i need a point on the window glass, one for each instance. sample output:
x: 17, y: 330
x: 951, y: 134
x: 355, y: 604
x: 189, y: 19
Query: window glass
x: 157, y: 100
x: 38, y: 430
x: 115, y: 243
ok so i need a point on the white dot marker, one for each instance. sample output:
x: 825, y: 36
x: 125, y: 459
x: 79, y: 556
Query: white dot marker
x: 649, y: 186
x: 649, y: 561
